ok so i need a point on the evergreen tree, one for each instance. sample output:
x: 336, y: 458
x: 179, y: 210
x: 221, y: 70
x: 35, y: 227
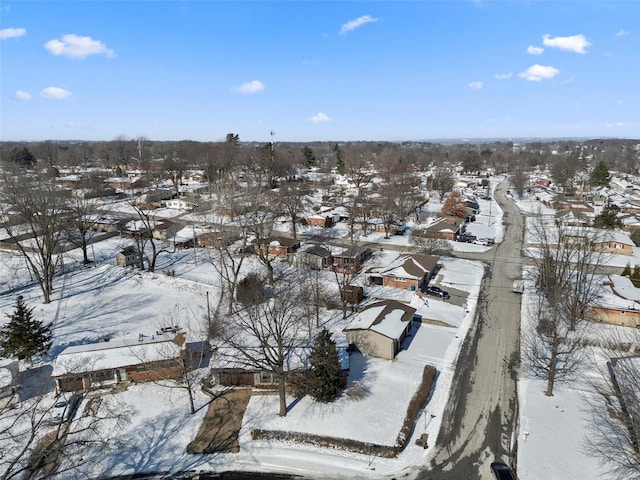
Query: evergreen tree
x: 608, y: 218
x: 309, y: 156
x: 324, y: 376
x: 600, y: 175
x: 627, y: 271
x: 24, y: 336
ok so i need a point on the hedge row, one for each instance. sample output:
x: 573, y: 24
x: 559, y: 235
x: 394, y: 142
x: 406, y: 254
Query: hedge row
x: 417, y: 401
x: 413, y: 410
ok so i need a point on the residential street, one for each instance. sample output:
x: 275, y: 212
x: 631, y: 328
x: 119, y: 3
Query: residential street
x: 481, y: 424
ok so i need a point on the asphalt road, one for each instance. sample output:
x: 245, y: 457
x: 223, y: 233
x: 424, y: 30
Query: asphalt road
x: 480, y: 423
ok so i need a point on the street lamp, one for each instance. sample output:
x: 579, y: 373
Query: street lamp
x: 426, y: 424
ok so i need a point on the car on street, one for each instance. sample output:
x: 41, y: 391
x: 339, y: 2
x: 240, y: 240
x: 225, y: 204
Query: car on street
x: 65, y: 408
x: 437, y: 292
x: 502, y: 471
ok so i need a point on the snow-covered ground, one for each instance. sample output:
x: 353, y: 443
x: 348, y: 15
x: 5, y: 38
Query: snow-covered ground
x: 103, y: 300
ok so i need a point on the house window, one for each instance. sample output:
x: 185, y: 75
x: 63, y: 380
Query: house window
x: 266, y: 377
x: 142, y: 368
x: 101, y: 377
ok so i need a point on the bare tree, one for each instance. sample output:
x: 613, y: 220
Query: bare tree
x: 614, y: 435
x: 313, y: 293
x: 121, y: 150
x: 344, y: 277
x: 48, y: 151
x: 361, y: 213
x: 31, y: 447
x: 294, y: 201
x: 357, y: 165
x: 175, y: 164
x: 144, y: 235
x: 442, y: 181
x: 37, y: 236
x: 82, y: 210
x: 565, y: 275
x: 429, y: 245
x: 520, y: 176
x: 232, y: 225
x: 398, y: 195
x: 262, y: 226
x: 268, y: 337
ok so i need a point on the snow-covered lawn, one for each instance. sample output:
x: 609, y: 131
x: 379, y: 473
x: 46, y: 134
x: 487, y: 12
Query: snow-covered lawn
x: 106, y: 301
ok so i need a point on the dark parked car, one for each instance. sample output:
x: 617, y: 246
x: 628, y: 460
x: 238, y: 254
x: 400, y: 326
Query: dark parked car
x: 467, y: 238
x: 437, y: 292
x: 502, y: 471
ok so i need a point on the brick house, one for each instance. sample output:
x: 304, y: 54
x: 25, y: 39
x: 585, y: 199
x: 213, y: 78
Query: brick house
x: 617, y: 243
x: 408, y: 271
x: 107, y: 363
x: 277, y: 246
x: 351, y: 259
x: 446, y: 228
x: 618, y: 302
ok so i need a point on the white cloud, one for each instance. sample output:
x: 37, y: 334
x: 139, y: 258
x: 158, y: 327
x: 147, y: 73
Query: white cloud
x: 320, y: 118
x: 475, y: 85
x: 253, y: 86
x: 503, y: 76
x: 533, y: 50
x: 621, y: 33
x: 358, y: 22
x: 12, y: 33
x: 536, y: 73
x: 619, y: 124
x: 74, y: 46
x: 574, y: 43
x: 55, y: 92
x: 21, y: 95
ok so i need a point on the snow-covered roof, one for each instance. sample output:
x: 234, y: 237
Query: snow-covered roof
x: 413, y: 266
x: 117, y: 354
x: 388, y: 318
x: 619, y: 293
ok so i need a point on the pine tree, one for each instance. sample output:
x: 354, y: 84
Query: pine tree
x: 24, y: 336
x: 324, y: 377
x: 600, y: 175
x: 608, y: 218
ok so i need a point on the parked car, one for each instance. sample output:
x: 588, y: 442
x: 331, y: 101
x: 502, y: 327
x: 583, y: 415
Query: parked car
x: 65, y: 408
x: 502, y: 471
x: 484, y: 241
x: 437, y: 292
x: 466, y: 238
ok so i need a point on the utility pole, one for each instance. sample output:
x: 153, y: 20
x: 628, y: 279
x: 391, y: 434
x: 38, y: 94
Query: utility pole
x: 195, y: 260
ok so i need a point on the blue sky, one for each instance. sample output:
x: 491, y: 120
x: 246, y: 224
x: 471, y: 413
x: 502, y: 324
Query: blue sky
x: 330, y: 70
